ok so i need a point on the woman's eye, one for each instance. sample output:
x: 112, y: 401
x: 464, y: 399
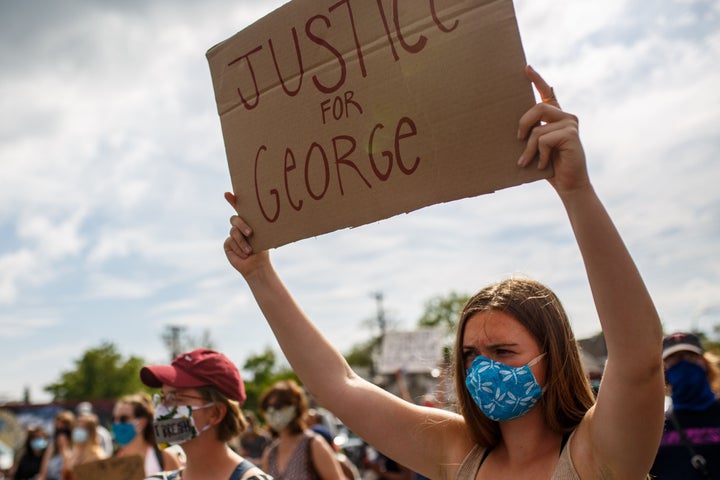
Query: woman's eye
x: 469, y: 356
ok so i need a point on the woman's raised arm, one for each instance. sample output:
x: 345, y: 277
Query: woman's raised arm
x: 622, y: 431
x: 412, y: 435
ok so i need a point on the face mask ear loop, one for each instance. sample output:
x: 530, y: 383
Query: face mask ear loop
x: 535, y: 361
x: 209, y: 425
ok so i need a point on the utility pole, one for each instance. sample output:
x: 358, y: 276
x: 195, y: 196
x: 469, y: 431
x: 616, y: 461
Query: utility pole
x: 172, y: 340
x: 381, y: 320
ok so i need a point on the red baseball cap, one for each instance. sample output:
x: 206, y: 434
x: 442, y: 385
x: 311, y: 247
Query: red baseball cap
x: 198, y: 368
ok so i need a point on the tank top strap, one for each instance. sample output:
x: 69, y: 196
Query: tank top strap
x: 241, y: 470
x: 471, y: 463
x: 565, y: 470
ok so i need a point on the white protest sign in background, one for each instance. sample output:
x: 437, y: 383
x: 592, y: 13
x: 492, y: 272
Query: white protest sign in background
x: 418, y: 351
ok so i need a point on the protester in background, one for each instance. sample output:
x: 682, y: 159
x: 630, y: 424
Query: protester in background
x: 85, y: 445
x: 60, y: 448
x: 103, y: 435
x: 199, y: 409
x: 315, y: 423
x: 254, y: 440
x: 515, y: 336
x: 297, y: 453
x: 385, y: 468
x: 690, y: 445
x: 132, y: 428
x: 313, y: 420
x: 29, y: 459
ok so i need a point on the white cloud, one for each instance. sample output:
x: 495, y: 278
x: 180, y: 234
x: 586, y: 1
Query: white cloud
x: 112, y: 168
x: 18, y: 326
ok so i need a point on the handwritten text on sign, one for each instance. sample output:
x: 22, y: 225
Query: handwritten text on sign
x: 331, y: 109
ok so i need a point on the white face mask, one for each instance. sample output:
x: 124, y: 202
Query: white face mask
x: 175, y: 425
x: 280, y: 418
x: 79, y: 435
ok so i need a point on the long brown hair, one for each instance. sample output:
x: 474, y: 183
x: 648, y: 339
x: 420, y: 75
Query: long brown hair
x: 142, y: 407
x: 234, y: 422
x: 568, y: 394
x: 288, y: 392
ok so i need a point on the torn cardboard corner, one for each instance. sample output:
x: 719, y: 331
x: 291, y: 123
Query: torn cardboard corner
x: 131, y: 467
x: 339, y: 113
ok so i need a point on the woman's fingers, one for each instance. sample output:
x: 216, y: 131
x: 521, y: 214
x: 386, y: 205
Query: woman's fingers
x: 232, y: 248
x: 546, y: 144
x: 556, y: 127
x: 237, y: 222
x: 539, y: 113
x: 547, y: 93
x: 231, y: 199
x: 237, y: 241
x: 539, y: 120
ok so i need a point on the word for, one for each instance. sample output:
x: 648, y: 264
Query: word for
x: 315, y: 167
x: 316, y: 33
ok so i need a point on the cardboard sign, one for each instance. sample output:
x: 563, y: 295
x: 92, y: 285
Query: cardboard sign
x: 418, y: 351
x: 338, y: 113
x: 114, y: 468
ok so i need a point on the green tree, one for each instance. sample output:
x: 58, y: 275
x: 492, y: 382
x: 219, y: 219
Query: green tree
x: 361, y: 354
x: 264, y: 370
x: 443, y: 311
x: 100, y: 373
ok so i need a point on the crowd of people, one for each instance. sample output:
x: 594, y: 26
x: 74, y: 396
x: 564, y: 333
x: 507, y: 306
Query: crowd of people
x: 524, y: 405
x: 205, y: 434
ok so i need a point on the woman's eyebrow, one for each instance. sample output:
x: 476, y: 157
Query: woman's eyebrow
x: 495, y: 346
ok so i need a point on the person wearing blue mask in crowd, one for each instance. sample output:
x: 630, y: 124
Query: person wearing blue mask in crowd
x: 104, y: 437
x: 132, y: 429
x: 59, y: 450
x: 690, y: 445
x: 526, y: 407
x: 29, y: 460
x: 85, y: 445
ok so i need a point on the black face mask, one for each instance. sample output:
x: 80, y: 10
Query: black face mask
x: 63, y: 431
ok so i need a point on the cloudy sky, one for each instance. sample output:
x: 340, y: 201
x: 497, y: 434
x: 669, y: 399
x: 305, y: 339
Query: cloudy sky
x: 112, y: 170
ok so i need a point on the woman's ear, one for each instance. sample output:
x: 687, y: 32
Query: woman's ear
x: 219, y: 412
x: 141, y: 424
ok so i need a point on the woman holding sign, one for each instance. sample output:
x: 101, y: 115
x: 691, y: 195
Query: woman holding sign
x: 525, y: 403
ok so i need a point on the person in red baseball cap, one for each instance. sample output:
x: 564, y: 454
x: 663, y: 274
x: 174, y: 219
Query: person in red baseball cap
x: 199, y: 408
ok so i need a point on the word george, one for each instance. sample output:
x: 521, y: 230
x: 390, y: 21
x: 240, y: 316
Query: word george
x: 317, y: 165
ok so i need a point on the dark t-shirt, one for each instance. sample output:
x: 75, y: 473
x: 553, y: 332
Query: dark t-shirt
x: 28, y: 466
x: 255, y: 446
x: 703, y: 430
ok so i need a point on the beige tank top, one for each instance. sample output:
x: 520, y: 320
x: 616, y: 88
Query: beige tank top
x: 565, y: 470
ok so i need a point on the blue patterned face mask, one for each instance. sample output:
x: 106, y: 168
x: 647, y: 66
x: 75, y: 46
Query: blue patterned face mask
x: 503, y: 392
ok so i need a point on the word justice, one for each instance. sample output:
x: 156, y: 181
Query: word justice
x: 316, y: 31
x: 316, y: 171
